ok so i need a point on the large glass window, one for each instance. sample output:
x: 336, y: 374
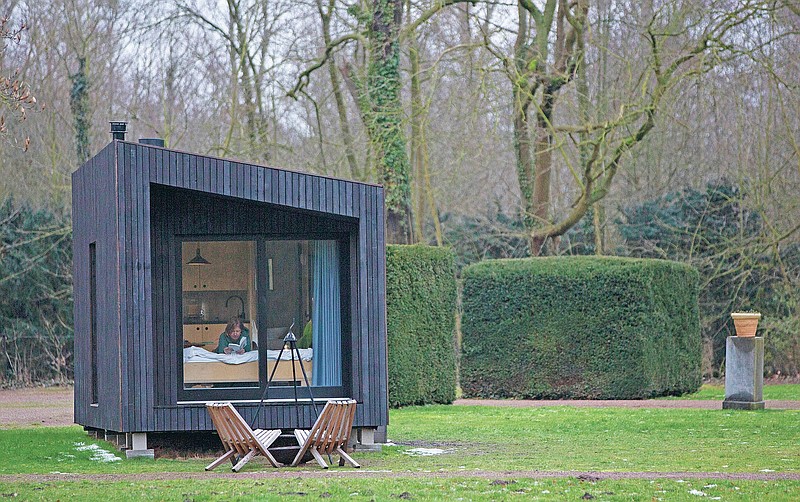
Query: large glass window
x: 220, y: 332
x: 271, y: 287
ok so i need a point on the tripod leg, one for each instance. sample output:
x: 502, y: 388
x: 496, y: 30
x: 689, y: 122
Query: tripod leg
x: 293, y: 347
x: 269, y: 381
x: 305, y: 378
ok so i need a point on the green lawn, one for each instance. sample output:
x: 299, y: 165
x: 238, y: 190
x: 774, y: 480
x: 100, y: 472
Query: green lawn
x: 459, y: 488
x: 471, y: 437
x: 779, y: 392
x: 608, y: 439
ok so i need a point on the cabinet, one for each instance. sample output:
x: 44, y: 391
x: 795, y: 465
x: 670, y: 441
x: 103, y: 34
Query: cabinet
x: 204, y: 335
x: 229, y: 268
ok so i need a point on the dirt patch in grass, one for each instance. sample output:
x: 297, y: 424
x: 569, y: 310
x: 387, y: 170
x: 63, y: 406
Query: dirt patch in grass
x: 46, y: 406
x: 337, y: 473
x: 52, y: 406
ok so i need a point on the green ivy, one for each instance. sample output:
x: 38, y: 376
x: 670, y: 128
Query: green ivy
x: 81, y: 109
x: 580, y: 327
x: 420, y: 307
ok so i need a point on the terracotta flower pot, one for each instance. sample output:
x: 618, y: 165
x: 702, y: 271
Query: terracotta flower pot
x: 745, y: 323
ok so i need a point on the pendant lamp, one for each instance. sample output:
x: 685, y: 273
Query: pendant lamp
x: 198, y: 259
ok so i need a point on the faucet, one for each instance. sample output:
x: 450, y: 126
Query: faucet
x: 241, y: 314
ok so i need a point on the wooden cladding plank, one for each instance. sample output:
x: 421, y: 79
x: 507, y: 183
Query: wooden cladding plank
x: 300, y: 190
x: 360, y: 387
x: 275, y: 186
x: 251, y: 178
x: 124, y: 238
x: 335, y: 198
x: 267, y: 185
x: 260, y: 184
x: 282, y: 187
x: 137, y: 351
x: 206, y: 185
x: 295, y: 202
x: 147, y: 297
x: 372, y: 350
x: 381, y: 402
x: 194, y: 417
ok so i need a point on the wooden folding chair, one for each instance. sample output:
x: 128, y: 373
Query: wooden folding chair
x: 240, y: 441
x: 330, y: 433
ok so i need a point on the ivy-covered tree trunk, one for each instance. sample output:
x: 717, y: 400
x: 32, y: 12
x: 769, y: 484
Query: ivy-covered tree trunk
x: 79, y: 104
x: 385, y: 120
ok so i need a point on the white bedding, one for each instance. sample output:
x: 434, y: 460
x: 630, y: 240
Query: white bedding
x: 199, y: 355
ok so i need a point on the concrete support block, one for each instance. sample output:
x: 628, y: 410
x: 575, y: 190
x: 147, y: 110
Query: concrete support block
x: 366, y: 435
x: 744, y: 373
x: 138, y: 443
x: 366, y: 440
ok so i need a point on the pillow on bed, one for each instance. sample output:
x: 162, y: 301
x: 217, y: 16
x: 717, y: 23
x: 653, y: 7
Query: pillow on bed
x: 275, y: 337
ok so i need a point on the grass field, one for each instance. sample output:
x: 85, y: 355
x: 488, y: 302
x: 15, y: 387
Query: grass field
x: 779, y: 392
x: 419, y: 489
x: 478, y: 445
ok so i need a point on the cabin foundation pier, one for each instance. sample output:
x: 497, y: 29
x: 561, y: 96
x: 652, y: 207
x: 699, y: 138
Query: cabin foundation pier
x: 138, y: 446
x: 365, y: 439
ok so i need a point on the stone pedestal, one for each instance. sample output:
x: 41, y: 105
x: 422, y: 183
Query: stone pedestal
x: 744, y: 373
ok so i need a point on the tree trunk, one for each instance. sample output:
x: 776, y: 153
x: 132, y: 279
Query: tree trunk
x: 336, y: 85
x: 597, y: 221
x: 522, y: 134
x: 417, y: 113
x: 543, y: 164
x: 385, y: 127
x: 426, y: 175
x: 81, y: 111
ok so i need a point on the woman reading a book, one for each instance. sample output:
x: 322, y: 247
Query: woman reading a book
x: 235, y: 339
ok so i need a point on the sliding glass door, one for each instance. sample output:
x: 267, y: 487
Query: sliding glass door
x: 240, y: 298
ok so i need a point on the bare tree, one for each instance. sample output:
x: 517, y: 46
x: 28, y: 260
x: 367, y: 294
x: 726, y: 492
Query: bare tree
x: 248, y: 30
x: 550, y: 45
x: 15, y: 94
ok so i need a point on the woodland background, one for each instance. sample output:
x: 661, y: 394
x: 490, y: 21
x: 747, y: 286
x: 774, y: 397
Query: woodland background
x: 666, y: 129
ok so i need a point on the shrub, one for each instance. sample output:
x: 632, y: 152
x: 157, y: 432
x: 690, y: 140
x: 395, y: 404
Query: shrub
x: 714, y: 230
x: 420, y: 305
x: 580, y: 327
x: 36, y: 335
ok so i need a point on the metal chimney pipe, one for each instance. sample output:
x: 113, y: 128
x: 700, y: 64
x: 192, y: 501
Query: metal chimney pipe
x: 118, y: 130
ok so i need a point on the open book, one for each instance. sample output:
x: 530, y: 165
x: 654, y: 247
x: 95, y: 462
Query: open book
x: 236, y: 347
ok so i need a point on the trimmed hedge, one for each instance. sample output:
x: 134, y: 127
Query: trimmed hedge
x: 580, y: 327
x: 420, y: 308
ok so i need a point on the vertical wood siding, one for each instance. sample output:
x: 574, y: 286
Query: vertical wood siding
x: 94, y: 219
x: 152, y: 196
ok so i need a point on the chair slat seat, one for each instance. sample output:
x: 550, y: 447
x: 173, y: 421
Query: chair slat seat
x: 329, y: 434
x: 240, y: 441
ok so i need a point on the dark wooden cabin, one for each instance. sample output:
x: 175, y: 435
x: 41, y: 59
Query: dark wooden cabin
x: 169, y: 246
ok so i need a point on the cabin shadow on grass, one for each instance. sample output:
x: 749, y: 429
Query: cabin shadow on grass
x: 205, y: 444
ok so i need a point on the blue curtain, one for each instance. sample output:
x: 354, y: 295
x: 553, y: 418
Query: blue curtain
x: 326, y: 320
